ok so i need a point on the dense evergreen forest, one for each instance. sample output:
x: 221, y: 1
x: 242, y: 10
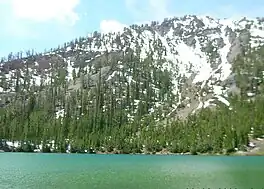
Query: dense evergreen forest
x: 116, y: 116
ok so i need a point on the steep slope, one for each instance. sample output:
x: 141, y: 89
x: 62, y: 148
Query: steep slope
x: 165, y: 70
x: 197, y: 51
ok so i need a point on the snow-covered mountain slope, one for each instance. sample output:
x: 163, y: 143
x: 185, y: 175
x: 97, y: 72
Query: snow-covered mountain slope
x: 196, y: 53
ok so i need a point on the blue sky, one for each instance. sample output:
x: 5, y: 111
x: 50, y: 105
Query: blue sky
x: 40, y: 24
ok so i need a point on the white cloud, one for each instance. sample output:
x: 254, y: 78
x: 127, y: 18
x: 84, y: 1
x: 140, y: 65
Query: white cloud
x: 28, y: 18
x: 107, y: 26
x: 45, y: 10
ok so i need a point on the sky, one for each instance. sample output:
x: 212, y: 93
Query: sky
x: 43, y: 24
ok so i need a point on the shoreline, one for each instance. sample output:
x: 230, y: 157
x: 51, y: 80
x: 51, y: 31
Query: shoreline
x: 256, y: 149
x: 253, y: 152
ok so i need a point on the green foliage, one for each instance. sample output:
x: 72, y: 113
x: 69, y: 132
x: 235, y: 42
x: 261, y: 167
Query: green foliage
x: 115, y: 115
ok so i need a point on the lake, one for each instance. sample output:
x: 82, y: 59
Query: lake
x: 48, y: 171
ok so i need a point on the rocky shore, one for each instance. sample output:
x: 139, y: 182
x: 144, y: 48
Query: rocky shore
x: 257, y: 149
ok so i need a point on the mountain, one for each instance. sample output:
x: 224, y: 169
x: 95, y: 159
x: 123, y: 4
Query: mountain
x: 129, y: 91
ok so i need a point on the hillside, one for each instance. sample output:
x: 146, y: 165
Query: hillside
x: 140, y: 90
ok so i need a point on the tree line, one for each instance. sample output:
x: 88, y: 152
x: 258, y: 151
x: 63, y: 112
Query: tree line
x: 116, y: 114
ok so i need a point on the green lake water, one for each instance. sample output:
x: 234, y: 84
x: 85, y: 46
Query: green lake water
x: 48, y: 171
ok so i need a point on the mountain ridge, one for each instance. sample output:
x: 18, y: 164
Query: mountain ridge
x: 187, y: 56
x: 170, y: 70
